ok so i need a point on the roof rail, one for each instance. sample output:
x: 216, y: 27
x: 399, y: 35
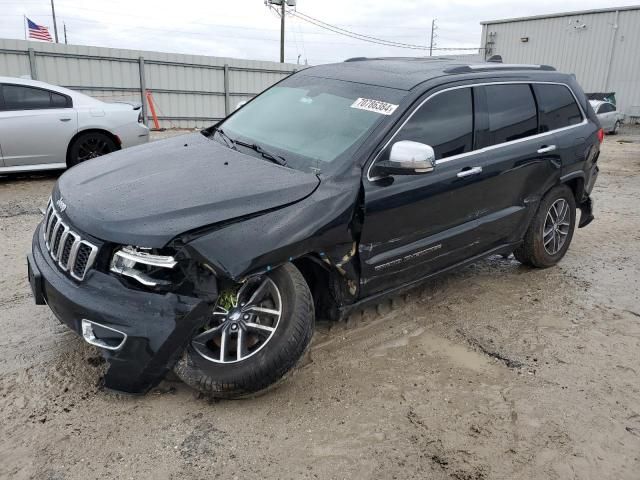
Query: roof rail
x: 356, y: 59
x: 498, y: 66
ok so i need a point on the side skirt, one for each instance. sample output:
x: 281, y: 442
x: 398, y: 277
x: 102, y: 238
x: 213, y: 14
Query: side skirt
x: 345, y: 310
x: 33, y: 168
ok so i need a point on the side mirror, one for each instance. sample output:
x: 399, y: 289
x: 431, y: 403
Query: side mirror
x: 407, y: 158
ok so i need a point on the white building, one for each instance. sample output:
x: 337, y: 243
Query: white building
x: 601, y: 47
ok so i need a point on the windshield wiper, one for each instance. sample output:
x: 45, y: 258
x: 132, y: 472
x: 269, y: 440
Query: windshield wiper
x: 275, y: 158
x: 231, y: 143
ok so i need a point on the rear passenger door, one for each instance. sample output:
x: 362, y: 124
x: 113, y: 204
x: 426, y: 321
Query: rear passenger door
x: 519, y: 164
x: 36, y: 125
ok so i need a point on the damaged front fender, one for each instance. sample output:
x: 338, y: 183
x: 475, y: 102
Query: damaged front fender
x: 320, y: 225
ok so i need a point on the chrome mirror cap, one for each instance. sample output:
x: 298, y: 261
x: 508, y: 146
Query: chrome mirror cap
x: 415, y: 156
x: 406, y: 158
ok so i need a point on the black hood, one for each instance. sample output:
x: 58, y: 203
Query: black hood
x: 149, y: 194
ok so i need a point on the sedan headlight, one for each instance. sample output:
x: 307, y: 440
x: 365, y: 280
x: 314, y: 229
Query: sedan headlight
x: 144, y: 266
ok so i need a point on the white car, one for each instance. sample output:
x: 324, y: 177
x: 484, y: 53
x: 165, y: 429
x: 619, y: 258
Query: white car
x: 609, y: 118
x: 45, y: 127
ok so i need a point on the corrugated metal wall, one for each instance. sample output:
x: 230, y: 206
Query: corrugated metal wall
x: 600, y: 48
x: 188, y: 90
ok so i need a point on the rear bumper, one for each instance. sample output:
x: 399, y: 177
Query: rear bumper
x: 155, y: 328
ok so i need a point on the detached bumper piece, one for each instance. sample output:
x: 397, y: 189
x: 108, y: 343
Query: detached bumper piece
x: 586, y: 209
x: 141, y: 334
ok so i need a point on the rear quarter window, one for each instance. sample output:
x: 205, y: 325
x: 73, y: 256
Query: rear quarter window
x: 512, y: 112
x: 557, y: 106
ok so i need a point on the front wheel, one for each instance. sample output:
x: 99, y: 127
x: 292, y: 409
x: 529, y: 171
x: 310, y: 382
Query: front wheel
x: 256, y: 335
x: 551, y: 230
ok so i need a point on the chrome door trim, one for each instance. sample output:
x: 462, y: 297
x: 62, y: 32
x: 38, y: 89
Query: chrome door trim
x: 490, y: 147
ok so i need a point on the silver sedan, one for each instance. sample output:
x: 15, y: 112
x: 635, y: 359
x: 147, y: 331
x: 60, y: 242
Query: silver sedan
x: 44, y: 127
x: 609, y: 117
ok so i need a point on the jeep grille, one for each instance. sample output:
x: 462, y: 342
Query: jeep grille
x: 72, y: 254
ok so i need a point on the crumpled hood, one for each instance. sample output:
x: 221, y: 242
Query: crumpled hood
x: 149, y: 194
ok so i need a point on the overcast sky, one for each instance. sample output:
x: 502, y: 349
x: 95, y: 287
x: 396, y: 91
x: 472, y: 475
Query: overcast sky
x: 248, y: 29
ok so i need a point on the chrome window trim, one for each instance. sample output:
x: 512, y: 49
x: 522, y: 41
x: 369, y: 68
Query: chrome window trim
x: 490, y: 147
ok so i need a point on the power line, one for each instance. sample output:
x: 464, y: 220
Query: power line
x: 369, y: 38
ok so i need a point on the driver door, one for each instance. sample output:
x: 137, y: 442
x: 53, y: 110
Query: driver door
x: 418, y: 224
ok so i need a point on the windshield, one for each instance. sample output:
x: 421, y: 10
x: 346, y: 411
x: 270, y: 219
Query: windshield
x: 311, y: 122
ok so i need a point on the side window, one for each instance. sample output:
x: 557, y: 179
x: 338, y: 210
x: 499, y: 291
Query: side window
x: 606, y: 108
x: 58, y: 101
x: 18, y: 97
x: 512, y: 112
x: 445, y: 122
x: 557, y: 107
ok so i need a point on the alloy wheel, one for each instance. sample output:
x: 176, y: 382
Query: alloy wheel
x: 556, y: 227
x: 236, y: 333
x: 93, y: 147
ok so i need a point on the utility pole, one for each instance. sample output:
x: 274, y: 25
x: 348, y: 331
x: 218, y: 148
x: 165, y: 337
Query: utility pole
x: 281, y: 31
x: 64, y: 26
x: 280, y: 7
x: 55, y: 27
x: 432, y: 43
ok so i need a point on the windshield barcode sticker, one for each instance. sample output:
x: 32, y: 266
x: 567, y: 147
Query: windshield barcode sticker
x: 374, y: 106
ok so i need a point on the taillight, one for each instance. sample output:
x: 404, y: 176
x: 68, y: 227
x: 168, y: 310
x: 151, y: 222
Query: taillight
x: 601, y: 135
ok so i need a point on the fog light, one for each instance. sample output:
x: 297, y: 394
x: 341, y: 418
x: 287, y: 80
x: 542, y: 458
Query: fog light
x: 102, y: 336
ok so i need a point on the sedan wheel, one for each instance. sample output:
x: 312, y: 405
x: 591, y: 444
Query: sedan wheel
x: 90, y: 145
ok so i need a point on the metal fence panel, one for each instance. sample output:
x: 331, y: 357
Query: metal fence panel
x: 188, y: 90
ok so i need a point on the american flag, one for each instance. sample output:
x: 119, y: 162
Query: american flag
x: 38, y: 32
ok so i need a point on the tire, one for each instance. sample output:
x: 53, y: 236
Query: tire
x: 271, y: 362
x: 89, y: 145
x: 535, y: 251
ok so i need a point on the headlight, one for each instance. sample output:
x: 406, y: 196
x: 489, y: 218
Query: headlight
x: 147, y: 268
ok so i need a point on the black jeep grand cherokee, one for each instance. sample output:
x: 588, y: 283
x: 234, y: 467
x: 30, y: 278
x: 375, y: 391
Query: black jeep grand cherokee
x: 212, y: 254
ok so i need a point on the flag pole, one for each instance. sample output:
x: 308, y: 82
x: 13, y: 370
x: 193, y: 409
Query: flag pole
x: 24, y: 23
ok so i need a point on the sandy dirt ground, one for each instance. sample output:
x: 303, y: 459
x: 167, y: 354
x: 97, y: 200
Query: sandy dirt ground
x: 496, y: 371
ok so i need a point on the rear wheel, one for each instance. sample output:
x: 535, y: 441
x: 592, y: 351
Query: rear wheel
x: 90, y: 145
x: 254, y: 338
x: 551, y: 230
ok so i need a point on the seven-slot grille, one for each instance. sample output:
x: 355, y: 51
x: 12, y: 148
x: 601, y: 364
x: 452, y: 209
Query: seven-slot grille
x: 72, y: 254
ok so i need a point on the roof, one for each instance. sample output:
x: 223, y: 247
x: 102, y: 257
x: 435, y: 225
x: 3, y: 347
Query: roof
x: 561, y: 14
x: 406, y: 73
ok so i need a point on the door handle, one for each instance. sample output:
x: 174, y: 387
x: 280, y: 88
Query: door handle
x: 546, y: 148
x: 65, y: 119
x: 469, y: 172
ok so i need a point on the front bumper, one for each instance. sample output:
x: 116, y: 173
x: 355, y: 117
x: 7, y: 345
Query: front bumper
x: 157, y: 326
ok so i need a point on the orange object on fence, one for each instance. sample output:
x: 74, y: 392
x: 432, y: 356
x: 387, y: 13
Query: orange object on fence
x: 153, y: 110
